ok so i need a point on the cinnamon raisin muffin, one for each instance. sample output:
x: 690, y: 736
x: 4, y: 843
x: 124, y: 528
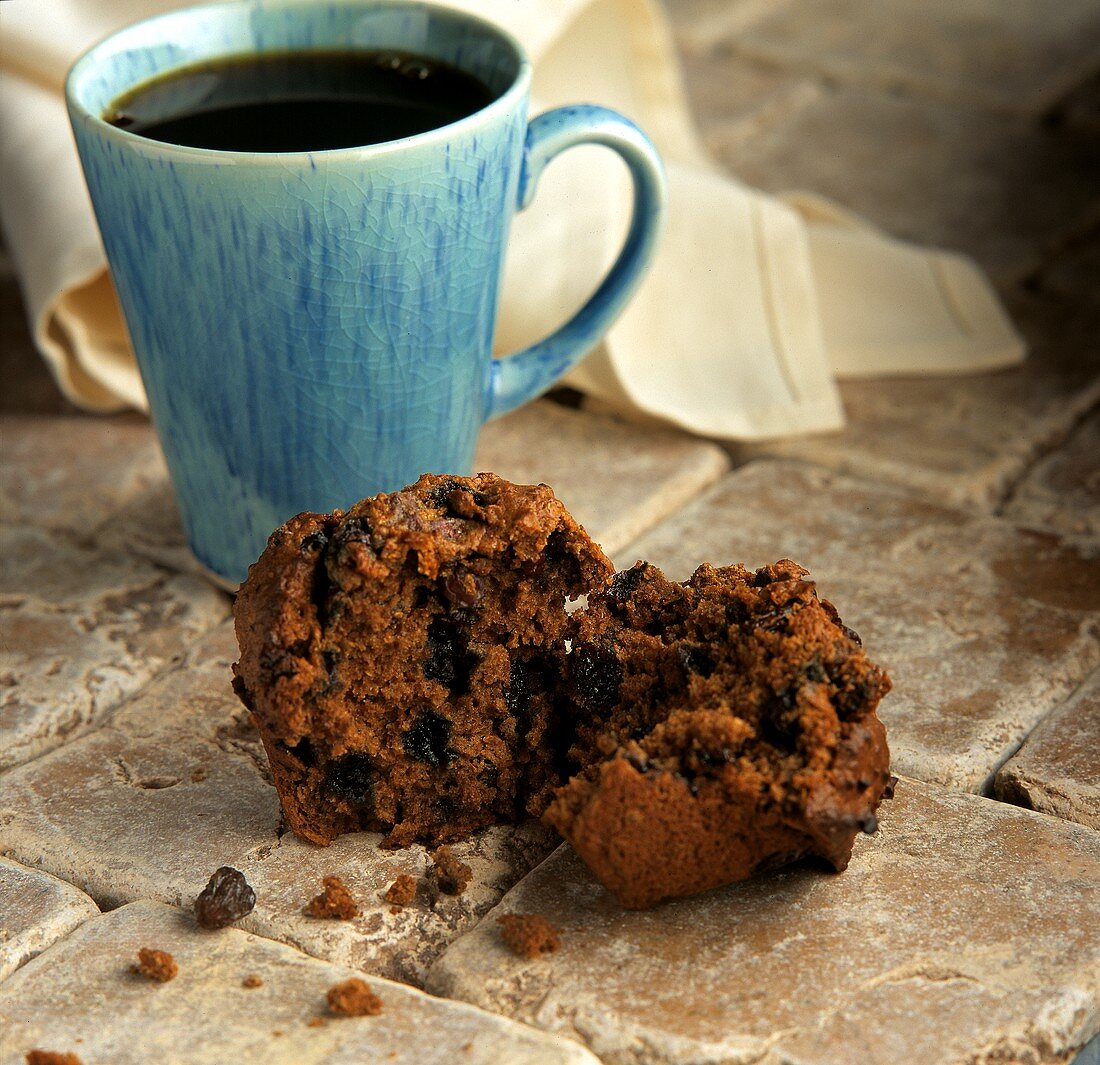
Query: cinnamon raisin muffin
x: 402, y: 659
x: 721, y: 726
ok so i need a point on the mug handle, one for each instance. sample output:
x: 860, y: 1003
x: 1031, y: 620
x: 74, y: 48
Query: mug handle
x: 515, y: 379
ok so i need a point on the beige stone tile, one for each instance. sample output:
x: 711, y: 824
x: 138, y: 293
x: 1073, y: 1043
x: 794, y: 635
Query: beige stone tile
x: 35, y: 911
x: 177, y: 784
x: 1062, y: 492
x: 150, y: 804
x: 998, y: 187
x: 963, y: 931
x: 966, y: 440
x: 1019, y: 57
x: 74, y: 472
x: 616, y: 479
x: 983, y: 627
x: 1057, y: 771
x: 81, y: 629
x: 149, y: 526
x: 82, y: 989
x: 399, y: 946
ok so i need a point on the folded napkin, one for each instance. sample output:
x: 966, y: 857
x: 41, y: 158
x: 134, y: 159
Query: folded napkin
x: 753, y: 307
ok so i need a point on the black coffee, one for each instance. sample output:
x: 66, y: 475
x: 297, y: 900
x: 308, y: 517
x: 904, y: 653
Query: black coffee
x: 300, y: 101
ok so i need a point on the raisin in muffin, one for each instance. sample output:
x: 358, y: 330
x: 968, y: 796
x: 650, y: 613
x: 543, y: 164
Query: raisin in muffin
x: 402, y: 659
x: 721, y: 726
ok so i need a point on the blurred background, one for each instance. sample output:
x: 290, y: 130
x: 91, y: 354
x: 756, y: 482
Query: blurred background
x: 969, y: 125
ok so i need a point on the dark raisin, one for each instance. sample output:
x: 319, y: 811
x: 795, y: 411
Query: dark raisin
x: 351, y: 779
x: 447, y: 660
x: 315, y: 542
x: 427, y: 741
x: 596, y: 674
x: 489, y: 775
x: 241, y: 692
x: 857, y: 698
x: 441, y: 652
x: 625, y: 584
x: 694, y: 658
x: 557, y: 546
x: 814, y: 673
x: 461, y: 588
x: 437, y: 495
x: 226, y: 898
x: 517, y: 695
x: 779, y: 723
x: 332, y: 668
x: 356, y: 531
x: 775, y: 619
x: 303, y: 752
x: 736, y: 613
x: 443, y: 808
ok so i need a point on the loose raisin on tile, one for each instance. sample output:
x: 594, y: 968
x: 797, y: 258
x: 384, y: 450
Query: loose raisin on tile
x: 226, y: 898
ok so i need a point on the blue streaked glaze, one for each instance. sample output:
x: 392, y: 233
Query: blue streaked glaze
x: 313, y: 328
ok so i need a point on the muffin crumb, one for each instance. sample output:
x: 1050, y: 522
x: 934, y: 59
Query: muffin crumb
x: 251, y: 981
x: 315, y: 1022
x: 52, y: 1057
x: 156, y: 965
x: 451, y: 875
x: 529, y: 935
x: 401, y: 892
x: 334, y: 903
x: 353, y: 998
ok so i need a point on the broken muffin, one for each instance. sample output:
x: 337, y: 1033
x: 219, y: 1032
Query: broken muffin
x: 402, y: 660
x: 721, y: 726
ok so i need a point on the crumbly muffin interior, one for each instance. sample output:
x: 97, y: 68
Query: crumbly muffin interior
x: 407, y: 684
x: 733, y: 712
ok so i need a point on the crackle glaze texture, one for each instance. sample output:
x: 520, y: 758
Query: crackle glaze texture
x: 313, y: 328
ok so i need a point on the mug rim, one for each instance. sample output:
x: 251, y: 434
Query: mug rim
x: 507, y: 100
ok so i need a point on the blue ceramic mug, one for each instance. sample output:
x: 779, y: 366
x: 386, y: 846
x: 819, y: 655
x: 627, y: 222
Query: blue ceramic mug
x: 315, y: 327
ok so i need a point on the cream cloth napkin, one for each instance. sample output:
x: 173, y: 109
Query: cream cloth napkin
x: 754, y: 305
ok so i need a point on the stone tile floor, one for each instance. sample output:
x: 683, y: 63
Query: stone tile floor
x: 955, y: 522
